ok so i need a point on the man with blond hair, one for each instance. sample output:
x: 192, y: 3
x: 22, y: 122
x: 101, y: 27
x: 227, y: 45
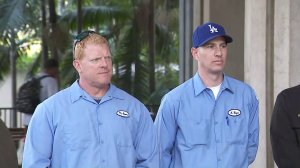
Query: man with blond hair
x: 92, y: 123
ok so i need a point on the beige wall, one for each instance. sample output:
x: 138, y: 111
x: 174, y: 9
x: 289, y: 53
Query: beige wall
x: 6, y: 98
x: 230, y: 14
x: 5, y: 89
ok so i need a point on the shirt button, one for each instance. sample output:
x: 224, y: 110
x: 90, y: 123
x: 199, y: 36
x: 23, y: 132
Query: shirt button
x: 102, y: 161
x: 218, y: 141
x: 216, y: 123
x: 102, y: 142
x: 219, y: 159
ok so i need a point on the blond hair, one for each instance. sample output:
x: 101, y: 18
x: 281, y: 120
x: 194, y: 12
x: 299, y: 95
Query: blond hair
x: 91, y: 38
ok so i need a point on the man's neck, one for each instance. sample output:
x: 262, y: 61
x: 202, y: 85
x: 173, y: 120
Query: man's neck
x: 211, y: 79
x: 94, y: 91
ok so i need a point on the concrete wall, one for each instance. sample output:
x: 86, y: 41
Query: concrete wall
x: 5, y: 89
x: 6, y: 98
x: 230, y: 14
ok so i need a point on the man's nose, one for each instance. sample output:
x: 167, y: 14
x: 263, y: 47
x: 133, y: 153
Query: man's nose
x: 218, y: 51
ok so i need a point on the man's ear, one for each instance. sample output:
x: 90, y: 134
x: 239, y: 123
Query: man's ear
x: 77, y: 66
x: 194, y: 52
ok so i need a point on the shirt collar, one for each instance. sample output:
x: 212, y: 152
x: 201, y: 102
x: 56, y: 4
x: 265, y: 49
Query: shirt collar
x: 199, y: 86
x: 77, y: 92
x: 226, y: 84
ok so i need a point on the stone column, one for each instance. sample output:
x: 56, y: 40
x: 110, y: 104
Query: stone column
x: 294, y: 42
x: 281, y: 45
x: 255, y: 66
x: 286, y: 44
x: 185, y: 41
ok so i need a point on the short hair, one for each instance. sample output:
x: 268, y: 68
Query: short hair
x: 51, y: 63
x: 91, y: 38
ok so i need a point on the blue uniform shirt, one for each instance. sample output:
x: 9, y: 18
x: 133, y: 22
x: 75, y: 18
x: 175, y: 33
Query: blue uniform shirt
x: 71, y: 130
x: 198, y: 131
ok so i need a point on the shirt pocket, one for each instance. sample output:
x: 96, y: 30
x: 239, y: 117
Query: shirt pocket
x: 75, y: 140
x: 197, y: 132
x: 236, y: 130
x: 126, y: 153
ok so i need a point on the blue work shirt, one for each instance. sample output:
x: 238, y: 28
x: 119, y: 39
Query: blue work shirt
x: 195, y: 130
x: 72, y: 130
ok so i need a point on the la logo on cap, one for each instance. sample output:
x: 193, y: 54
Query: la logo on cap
x: 208, y: 31
x: 212, y: 29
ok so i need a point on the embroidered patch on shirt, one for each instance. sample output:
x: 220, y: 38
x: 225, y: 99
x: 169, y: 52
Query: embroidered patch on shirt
x: 123, y: 113
x: 234, y: 112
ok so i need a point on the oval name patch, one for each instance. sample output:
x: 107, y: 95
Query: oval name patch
x: 122, y: 113
x: 234, y: 112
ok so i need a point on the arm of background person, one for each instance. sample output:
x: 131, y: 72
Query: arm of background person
x: 52, y: 86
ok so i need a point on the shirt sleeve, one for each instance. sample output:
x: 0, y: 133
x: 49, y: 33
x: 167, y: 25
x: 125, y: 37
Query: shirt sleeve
x: 253, y: 135
x: 146, y: 142
x: 286, y: 151
x: 166, y: 127
x: 39, y: 138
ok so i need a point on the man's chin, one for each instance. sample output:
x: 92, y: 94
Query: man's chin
x: 104, y: 84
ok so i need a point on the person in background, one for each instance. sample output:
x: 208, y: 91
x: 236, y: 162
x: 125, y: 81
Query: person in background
x: 92, y: 123
x: 285, y: 128
x: 49, y: 84
x: 211, y: 120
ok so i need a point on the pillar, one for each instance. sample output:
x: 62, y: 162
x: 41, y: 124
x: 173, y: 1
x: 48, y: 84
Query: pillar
x: 255, y: 67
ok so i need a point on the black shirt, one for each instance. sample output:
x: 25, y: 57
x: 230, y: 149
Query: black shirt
x: 285, y: 128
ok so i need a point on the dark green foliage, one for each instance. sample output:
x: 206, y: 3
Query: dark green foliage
x: 132, y: 71
x: 123, y: 23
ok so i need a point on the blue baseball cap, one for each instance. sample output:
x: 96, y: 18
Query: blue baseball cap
x: 207, y: 32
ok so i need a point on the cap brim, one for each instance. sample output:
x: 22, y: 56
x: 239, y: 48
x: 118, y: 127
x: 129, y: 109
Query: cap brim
x: 227, y: 38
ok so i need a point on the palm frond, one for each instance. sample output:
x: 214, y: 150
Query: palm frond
x: 4, y: 61
x: 166, y: 47
x: 67, y: 72
x: 132, y: 73
x: 11, y: 16
x: 96, y: 15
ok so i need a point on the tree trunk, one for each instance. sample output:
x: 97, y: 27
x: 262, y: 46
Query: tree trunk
x: 79, y: 16
x: 151, y: 47
x: 44, y: 32
x: 13, y: 51
x: 54, y: 28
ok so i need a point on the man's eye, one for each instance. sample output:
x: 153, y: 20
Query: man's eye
x: 95, y: 60
x: 210, y: 46
x: 108, y: 58
x: 224, y: 45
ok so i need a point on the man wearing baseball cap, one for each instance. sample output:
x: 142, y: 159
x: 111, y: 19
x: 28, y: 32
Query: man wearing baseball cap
x: 211, y: 120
